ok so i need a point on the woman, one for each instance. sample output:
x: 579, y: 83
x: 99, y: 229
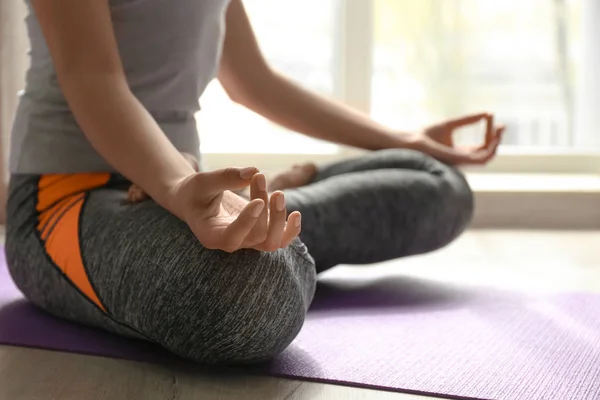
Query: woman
x: 109, y: 100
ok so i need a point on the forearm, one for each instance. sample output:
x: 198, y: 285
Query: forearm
x: 286, y: 103
x: 125, y: 134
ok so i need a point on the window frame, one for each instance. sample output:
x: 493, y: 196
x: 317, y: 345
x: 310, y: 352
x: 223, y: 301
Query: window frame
x: 353, y: 69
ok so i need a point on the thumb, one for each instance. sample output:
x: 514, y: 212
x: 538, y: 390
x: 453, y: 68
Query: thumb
x: 215, y: 182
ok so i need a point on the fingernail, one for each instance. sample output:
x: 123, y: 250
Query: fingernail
x: 261, y: 182
x: 257, y: 209
x: 298, y: 221
x: 280, y: 202
x: 248, y: 173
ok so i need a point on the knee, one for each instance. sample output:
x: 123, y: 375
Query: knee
x: 450, y: 192
x: 254, y: 312
x: 462, y: 199
x: 457, y: 206
x: 444, y: 195
x: 445, y: 209
x: 453, y: 190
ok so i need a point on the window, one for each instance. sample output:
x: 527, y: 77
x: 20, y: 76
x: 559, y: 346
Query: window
x: 298, y: 38
x: 435, y: 59
x: 413, y: 62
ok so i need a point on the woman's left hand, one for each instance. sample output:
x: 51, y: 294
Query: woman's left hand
x: 437, y: 141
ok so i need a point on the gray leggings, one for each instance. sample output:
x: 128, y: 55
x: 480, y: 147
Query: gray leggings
x: 77, y: 250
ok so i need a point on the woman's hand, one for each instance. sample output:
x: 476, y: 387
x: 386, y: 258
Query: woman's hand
x: 438, y: 142
x: 222, y: 220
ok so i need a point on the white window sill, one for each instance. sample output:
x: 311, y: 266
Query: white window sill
x: 536, y: 201
x: 534, y: 183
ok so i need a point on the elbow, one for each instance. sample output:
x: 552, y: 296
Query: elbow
x: 248, y: 89
x: 243, y: 94
x: 238, y: 96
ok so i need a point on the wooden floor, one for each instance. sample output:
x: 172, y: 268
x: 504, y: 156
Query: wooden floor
x: 535, y: 261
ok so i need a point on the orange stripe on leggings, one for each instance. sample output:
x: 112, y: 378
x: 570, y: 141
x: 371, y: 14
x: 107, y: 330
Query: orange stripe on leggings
x: 48, y: 218
x: 60, y: 199
x: 54, y: 188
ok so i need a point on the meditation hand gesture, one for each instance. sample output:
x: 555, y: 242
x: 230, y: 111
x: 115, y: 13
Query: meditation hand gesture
x: 222, y: 220
x: 437, y: 141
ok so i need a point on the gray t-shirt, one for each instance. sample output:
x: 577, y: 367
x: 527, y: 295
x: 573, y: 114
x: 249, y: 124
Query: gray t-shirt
x: 170, y: 50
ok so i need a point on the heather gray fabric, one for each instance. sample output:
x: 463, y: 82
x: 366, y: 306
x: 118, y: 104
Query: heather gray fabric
x: 159, y: 283
x: 170, y: 51
x: 381, y: 206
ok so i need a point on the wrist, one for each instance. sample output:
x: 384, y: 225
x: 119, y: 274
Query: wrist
x: 170, y: 196
x: 408, y: 140
x: 171, y: 179
x: 384, y: 138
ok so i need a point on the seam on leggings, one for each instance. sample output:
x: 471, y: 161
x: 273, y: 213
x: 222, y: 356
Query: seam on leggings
x: 37, y: 235
x: 55, y: 218
x: 107, y: 312
x: 83, y: 263
x: 63, y: 244
x: 86, y: 299
x: 42, y: 225
x: 53, y: 204
x: 77, y: 289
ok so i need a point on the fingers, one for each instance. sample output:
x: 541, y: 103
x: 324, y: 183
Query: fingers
x: 490, y: 133
x: 484, y: 155
x: 271, y: 232
x: 495, y: 143
x: 489, y: 130
x: 217, y: 181
x: 258, y: 190
x: 235, y: 234
x: 277, y: 220
x: 467, y: 120
x: 292, y: 229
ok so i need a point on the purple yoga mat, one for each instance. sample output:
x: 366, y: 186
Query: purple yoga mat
x: 398, y: 334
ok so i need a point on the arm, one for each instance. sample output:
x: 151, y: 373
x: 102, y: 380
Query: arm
x: 127, y: 136
x: 95, y: 87
x: 249, y: 81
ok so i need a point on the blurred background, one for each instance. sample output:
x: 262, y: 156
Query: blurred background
x: 425, y: 60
